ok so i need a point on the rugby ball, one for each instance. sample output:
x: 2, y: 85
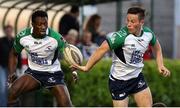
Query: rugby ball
x: 72, y: 54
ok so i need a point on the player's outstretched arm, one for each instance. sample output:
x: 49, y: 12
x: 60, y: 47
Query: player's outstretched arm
x: 95, y: 57
x: 12, y: 64
x: 159, y: 59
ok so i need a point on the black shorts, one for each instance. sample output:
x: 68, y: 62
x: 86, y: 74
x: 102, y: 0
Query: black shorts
x: 47, y: 79
x: 121, y: 89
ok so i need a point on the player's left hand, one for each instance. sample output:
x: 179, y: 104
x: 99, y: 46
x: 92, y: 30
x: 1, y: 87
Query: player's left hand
x: 82, y: 68
x: 164, y: 71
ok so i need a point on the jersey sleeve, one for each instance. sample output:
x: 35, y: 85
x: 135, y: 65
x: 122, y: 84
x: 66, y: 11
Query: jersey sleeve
x: 17, y: 45
x: 61, y: 44
x: 117, y: 38
x: 59, y: 39
x: 153, y: 40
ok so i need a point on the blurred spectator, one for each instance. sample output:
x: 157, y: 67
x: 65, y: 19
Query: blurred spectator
x: 72, y: 37
x: 69, y: 21
x: 87, y: 47
x: 6, y: 44
x: 93, y: 25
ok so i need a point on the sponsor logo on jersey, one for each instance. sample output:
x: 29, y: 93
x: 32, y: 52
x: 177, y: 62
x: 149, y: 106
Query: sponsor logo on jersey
x: 131, y: 46
x: 35, y: 42
x: 48, y: 49
x: 136, y: 57
x: 36, y: 59
x: 122, y: 33
x: 140, y: 40
x: 22, y: 33
x: 113, y: 37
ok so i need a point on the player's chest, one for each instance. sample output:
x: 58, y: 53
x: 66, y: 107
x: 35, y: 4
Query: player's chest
x: 136, y: 43
x: 40, y: 46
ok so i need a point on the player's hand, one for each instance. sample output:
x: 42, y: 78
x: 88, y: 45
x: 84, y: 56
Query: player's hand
x: 11, y: 78
x: 164, y: 71
x: 82, y: 68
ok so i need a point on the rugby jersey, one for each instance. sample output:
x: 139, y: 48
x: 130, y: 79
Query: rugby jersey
x: 42, y: 52
x: 128, y: 51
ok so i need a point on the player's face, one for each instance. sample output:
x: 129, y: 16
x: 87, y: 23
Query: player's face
x: 134, y: 24
x: 40, y: 25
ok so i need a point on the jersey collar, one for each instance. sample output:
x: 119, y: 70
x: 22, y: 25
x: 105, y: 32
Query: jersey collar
x: 141, y: 33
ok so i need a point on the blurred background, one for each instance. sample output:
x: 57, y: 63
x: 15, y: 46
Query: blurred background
x: 96, y: 20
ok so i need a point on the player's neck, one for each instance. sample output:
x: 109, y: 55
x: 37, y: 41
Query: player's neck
x: 37, y: 36
x: 139, y: 32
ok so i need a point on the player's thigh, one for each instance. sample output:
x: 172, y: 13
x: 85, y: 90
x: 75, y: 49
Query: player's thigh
x: 121, y: 103
x: 23, y: 84
x: 143, y: 98
x: 62, y: 95
x: 119, y: 92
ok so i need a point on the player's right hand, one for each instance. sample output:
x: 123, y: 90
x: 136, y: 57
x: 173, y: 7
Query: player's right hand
x: 12, y: 78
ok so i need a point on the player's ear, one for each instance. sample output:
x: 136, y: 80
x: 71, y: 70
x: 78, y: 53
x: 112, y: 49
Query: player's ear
x: 142, y: 21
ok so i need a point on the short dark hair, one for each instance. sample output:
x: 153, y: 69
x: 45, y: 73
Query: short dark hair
x: 74, y: 9
x: 137, y: 10
x: 38, y: 13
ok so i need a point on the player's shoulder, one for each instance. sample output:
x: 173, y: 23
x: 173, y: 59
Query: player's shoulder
x: 123, y: 32
x: 148, y: 30
x: 52, y: 33
x: 23, y: 33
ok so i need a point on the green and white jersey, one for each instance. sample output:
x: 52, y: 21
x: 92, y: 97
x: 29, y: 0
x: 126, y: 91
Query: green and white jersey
x: 42, y: 52
x: 128, y: 51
